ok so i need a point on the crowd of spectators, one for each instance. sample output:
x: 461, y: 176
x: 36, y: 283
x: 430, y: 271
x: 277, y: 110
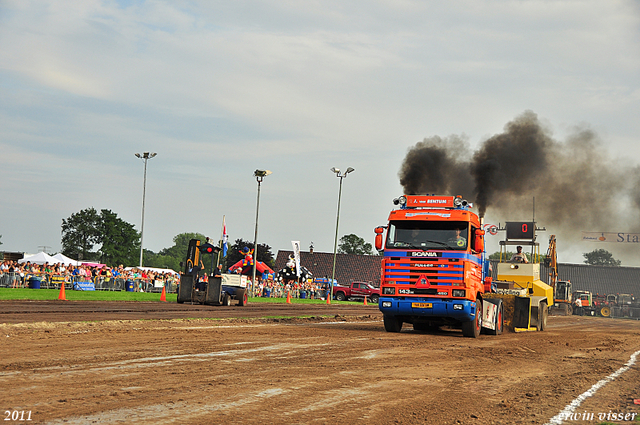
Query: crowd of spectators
x: 16, y: 275
x: 278, y: 289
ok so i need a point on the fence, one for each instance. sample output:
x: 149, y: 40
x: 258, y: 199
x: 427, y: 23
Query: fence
x: 107, y: 283
x: 278, y: 291
x: 100, y: 283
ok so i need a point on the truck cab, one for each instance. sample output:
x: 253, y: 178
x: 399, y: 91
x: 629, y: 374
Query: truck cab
x: 434, y: 269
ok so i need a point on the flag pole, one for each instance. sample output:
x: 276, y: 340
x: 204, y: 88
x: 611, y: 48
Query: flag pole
x: 220, y: 242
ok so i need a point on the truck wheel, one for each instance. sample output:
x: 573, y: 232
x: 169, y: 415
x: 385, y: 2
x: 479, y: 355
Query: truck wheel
x: 392, y: 323
x: 499, y: 323
x: 340, y: 296
x: 242, y: 297
x: 543, y: 313
x: 472, y: 328
x: 226, y: 300
x: 605, y: 311
x: 374, y: 299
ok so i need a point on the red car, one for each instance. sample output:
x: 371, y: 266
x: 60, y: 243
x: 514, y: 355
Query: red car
x: 357, y: 290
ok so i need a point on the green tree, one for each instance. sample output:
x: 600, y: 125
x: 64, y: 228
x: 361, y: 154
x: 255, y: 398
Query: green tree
x: 181, y: 244
x: 83, y: 231
x: 601, y: 257
x: 151, y: 259
x: 120, y: 240
x: 80, y: 232
x: 353, y: 244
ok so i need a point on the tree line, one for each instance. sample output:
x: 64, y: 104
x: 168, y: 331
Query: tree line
x: 102, y: 236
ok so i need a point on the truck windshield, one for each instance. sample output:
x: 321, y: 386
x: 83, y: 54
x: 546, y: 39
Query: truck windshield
x: 428, y: 235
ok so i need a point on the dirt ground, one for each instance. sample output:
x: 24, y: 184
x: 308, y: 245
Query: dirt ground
x: 155, y: 363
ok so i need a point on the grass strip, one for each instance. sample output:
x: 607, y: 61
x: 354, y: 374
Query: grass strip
x: 72, y: 295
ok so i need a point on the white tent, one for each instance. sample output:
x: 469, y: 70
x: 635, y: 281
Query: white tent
x: 61, y: 258
x: 153, y: 269
x: 39, y: 258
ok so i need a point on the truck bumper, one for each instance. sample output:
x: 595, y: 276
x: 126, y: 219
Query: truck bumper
x: 459, y: 310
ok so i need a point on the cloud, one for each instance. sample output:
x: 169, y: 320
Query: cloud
x: 221, y: 88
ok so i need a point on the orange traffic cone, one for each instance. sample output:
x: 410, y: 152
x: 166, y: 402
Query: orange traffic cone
x: 365, y: 300
x: 328, y: 298
x: 62, y: 295
x: 163, y: 297
x: 288, y: 297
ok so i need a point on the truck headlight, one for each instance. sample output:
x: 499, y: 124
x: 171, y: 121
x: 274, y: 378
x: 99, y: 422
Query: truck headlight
x: 457, y: 307
x: 386, y: 304
x: 388, y: 291
x: 458, y: 293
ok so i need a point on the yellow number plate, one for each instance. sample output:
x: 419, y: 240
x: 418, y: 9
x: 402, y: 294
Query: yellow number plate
x: 421, y: 305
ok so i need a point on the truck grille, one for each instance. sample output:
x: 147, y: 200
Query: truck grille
x: 441, y: 271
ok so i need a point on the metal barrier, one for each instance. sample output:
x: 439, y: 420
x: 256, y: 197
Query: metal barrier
x: 109, y: 283
x: 101, y: 283
x: 10, y: 280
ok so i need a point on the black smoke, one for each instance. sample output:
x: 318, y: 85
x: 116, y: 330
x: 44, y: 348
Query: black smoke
x: 575, y: 184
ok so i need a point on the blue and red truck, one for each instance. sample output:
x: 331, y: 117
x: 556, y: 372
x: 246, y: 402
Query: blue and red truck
x: 434, y: 270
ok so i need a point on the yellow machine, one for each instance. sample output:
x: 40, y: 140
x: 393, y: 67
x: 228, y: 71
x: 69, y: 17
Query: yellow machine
x: 526, y: 297
x: 562, y: 292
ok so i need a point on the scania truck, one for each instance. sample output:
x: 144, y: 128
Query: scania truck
x: 434, y: 272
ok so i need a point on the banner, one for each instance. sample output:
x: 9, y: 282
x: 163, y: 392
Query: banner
x: 296, y: 255
x: 611, y: 237
x: 491, y: 229
x: 225, y: 238
x: 84, y: 286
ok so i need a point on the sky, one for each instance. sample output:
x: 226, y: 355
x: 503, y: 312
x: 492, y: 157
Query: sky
x: 219, y: 89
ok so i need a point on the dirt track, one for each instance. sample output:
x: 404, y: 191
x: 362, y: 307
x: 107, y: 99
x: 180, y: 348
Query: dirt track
x: 326, y: 369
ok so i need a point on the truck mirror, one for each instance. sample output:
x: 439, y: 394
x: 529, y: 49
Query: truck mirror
x: 479, y: 245
x: 378, y: 241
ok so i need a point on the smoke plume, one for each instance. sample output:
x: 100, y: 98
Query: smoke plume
x: 575, y: 184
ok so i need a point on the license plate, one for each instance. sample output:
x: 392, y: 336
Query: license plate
x: 421, y: 305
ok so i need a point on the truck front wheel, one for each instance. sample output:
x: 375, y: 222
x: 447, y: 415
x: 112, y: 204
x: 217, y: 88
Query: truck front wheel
x: 374, y: 299
x: 392, y: 323
x: 472, y: 328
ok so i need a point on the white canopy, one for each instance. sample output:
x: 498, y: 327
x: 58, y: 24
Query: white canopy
x: 153, y: 269
x: 39, y: 258
x: 61, y: 258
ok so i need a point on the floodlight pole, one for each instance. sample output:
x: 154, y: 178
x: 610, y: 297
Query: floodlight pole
x: 145, y: 157
x: 335, y: 242
x: 259, y: 175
